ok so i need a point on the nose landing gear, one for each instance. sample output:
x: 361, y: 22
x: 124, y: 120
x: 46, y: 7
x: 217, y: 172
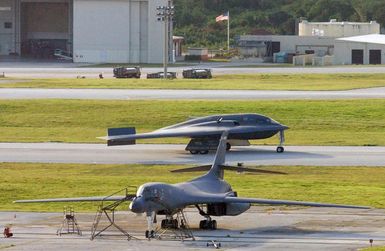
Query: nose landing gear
x: 150, y: 234
x: 280, y: 148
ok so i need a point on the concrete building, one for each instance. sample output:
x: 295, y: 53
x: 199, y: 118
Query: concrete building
x: 95, y: 31
x: 368, y: 49
x: 337, y: 29
x: 267, y: 45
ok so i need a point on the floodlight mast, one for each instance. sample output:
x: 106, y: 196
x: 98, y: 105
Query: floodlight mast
x: 165, y: 14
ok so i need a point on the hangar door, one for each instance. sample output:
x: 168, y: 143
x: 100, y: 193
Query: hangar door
x: 357, y: 56
x: 45, y: 26
x: 374, y: 56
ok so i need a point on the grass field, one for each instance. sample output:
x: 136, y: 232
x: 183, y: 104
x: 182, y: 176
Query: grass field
x: 340, y: 122
x: 374, y: 248
x: 348, y: 185
x: 227, y: 82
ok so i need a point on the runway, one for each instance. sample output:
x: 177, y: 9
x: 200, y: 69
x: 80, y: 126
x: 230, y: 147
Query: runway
x: 259, y: 228
x: 141, y: 94
x: 175, y: 154
x: 71, y: 70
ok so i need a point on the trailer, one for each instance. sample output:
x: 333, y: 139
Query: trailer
x: 170, y: 75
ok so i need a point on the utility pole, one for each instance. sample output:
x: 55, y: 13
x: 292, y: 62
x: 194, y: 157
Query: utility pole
x: 165, y: 14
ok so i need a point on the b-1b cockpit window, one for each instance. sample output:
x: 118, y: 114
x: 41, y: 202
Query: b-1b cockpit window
x: 150, y: 192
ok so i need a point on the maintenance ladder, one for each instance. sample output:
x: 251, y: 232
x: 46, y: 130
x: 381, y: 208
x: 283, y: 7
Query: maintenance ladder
x: 109, y: 211
x: 69, y: 225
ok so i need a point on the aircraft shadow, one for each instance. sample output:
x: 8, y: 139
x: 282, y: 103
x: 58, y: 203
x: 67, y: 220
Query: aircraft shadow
x: 279, y: 233
x: 254, y: 154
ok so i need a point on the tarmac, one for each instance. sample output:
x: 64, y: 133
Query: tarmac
x: 37, y: 69
x: 175, y: 154
x: 260, y: 228
x: 145, y: 94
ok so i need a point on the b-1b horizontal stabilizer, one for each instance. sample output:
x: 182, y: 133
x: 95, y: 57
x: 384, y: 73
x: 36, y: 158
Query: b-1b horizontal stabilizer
x: 238, y: 169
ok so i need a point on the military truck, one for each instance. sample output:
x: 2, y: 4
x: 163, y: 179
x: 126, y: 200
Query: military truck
x: 127, y: 72
x: 170, y: 75
x: 197, y: 73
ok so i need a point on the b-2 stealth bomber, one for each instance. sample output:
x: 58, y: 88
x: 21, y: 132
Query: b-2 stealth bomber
x: 205, y: 132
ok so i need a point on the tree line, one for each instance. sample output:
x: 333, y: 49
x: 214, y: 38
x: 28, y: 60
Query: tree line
x: 195, y: 20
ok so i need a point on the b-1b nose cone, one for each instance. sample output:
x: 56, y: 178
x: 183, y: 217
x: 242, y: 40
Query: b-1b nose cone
x: 137, y: 205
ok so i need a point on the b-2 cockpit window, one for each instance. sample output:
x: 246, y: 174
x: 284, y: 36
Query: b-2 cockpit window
x: 263, y: 121
x: 249, y: 119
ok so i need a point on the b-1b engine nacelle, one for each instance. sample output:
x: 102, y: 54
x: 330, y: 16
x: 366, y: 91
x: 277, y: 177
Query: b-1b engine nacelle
x: 231, y: 209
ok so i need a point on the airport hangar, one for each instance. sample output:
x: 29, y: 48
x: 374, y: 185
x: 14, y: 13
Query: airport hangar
x: 93, y: 31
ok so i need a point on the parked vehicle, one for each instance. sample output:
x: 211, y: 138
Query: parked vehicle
x: 127, y: 72
x: 197, y: 73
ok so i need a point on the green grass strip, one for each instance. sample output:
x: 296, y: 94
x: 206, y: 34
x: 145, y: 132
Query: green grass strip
x: 344, y: 185
x: 332, y: 122
x: 227, y: 82
x: 374, y: 248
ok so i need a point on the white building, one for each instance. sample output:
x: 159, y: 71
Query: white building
x: 337, y: 29
x: 267, y: 45
x: 368, y: 49
x: 96, y: 31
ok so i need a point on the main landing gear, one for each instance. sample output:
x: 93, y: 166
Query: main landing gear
x: 169, y: 223
x: 280, y: 148
x: 208, y: 223
x: 228, y: 147
x: 201, y: 151
x: 174, y: 228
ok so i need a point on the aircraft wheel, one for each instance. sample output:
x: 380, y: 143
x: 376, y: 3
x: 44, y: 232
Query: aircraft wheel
x: 204, y: 152
x: 280, y: 149
x: 194, y: 152
x: 163, y: 224
x: 175, y: 224
x: 228, y: 146
x: 210, y: 225
x: 152, y: 234
x: 147, y: 234
x: 214, y: 225
x: 203, y: 224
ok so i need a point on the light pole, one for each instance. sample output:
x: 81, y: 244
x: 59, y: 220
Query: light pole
x: 165, y: 14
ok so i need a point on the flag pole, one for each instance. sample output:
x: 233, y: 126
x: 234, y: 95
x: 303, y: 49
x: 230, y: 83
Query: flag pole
x: 228, y: 31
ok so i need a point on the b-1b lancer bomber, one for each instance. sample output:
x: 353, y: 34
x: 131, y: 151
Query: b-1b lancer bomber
x: 209, y: 193
x: 205, y: 132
